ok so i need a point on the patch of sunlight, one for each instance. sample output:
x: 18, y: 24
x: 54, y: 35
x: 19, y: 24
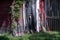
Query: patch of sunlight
x: 53, y: 32
x: 26, y: 35
x: 57, y: 36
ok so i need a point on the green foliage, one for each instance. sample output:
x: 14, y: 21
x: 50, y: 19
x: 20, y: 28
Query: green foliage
x: 45, y: 36
x: 13, y: 26
x: 17, y: 5
x: 35, y: 36
x: 15, y: 12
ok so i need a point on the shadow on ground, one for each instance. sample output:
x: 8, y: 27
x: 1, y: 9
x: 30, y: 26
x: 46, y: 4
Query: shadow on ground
x: 4, y: 38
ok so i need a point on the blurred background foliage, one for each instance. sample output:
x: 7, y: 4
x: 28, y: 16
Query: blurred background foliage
x: 14, y: 11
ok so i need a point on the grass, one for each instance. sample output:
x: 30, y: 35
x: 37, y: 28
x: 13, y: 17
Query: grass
x: 46, y: 36
x: 35, y: 36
